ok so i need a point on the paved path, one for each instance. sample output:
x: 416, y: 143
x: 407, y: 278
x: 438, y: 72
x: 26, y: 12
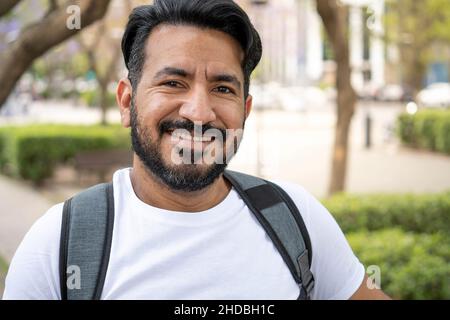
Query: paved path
x: 20, y: 206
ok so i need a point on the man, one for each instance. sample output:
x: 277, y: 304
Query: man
x: 181, y: 231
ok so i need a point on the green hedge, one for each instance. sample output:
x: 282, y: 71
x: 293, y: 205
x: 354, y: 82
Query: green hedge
x: 92, y: 98
x: 413, y: 266
x: 406, y: 235
x: 3, y: 158
x: 428, y: 129
x: 31, y: 152
x: 425, y: 213
x: 3, y: 271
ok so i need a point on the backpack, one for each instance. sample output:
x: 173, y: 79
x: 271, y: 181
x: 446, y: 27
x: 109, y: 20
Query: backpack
x: 88, y: 220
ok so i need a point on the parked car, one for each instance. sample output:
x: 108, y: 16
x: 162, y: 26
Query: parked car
x: 368, y: 92
x: 436, y: 95
x: 393, y: 93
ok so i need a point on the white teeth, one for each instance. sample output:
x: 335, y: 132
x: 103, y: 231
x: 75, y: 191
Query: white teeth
x: 185, y: 136
x: 202, y: 139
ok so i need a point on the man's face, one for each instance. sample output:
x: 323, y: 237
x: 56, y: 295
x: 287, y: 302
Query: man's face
x: 192, y: 80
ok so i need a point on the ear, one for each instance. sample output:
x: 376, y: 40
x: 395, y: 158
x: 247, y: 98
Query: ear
x: 123, y: 97
x: 248, y: 106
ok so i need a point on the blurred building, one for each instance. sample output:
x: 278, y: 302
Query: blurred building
x: 295, y: 47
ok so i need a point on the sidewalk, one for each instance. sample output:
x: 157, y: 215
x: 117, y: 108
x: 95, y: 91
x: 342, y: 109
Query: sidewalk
x: 20, y: 206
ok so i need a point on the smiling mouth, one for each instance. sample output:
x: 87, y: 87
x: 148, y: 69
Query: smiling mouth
x: 178, y: 135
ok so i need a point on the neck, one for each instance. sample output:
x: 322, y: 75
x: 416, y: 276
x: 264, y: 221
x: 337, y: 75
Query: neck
x: 154, y: 192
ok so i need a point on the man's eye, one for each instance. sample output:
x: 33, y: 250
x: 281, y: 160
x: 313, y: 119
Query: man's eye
x: 173, y: 84
x: 223, y: 89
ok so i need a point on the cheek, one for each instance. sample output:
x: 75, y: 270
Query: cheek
x: 233, y: 118
x: 166, y: 148
x: 147, y: 126
x: 151, y: 111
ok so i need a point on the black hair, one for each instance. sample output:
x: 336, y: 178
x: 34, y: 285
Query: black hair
x: 222, y: 15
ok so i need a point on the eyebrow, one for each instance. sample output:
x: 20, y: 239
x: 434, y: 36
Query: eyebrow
x: 173, y: 71
x: 226, y: 78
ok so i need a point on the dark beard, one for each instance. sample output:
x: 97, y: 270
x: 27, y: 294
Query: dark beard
x: 183, y: 177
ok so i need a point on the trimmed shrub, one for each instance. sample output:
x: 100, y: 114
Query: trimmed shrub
x: 413, y: 266
x: 427, y: 213
x: 428, y: 129
x: 2, y: 153
x: 3, y: 271
x: 31, y: 152
x: 405, y: 129
x: 442, y: 130
x: 424, y: 127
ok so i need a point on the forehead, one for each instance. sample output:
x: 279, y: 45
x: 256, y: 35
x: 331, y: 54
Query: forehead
x: 192, y: 48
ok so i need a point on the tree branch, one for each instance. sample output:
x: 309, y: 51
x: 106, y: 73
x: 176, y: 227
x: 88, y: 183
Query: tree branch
x: 7, y: 5
x: 39, y: 37
x: 52, y: 6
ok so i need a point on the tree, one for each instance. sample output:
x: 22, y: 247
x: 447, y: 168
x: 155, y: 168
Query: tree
x: 105, y: 70
x: 37, y: 38
x: 7, y: 5
x: 417, y: 28
x: 334, y: 19
x: 103, y: 53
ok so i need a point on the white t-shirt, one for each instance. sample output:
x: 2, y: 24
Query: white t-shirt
x: 220, y: 253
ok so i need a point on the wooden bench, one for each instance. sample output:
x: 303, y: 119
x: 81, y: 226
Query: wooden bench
x: 102, y: 162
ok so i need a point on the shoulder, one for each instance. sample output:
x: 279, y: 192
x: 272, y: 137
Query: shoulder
x: 319, y: 222
x: 308, y: 205
x: 314, y: 214
x: 45, y: 231
x: 337, y: 271
x: 34, y: 273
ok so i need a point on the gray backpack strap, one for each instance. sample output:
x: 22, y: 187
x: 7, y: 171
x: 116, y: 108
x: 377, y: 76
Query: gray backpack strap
x: 282, y: 221
x: 85, y: 245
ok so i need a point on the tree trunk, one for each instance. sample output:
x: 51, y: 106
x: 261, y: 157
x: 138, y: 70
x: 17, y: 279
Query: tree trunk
x: 414, y: 43
x: 103, y: 79
x: 413, y: 67
x: 103, y: 90
x: 7, y: 5
x: 333, y: 17
x: 37, y: 38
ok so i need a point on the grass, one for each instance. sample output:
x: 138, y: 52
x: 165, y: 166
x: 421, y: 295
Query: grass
x: 3, y: 270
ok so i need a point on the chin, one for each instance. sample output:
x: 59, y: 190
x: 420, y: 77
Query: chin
x: 192, y: 170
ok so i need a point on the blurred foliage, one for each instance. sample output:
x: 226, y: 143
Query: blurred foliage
x: 423, y: 213
x: 3, y: 271
x: 32, y: 152
x: 92, y: 98
x: 406, y: 235
x: 428, y: 129
x: 431, y: 17
x: 413, y: 266
x: 72, y: 65
x: 421, y: 30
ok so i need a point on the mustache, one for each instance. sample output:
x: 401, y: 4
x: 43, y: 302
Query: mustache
x: 171, y: 125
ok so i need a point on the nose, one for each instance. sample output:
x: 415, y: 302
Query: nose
x: 197, y: 107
